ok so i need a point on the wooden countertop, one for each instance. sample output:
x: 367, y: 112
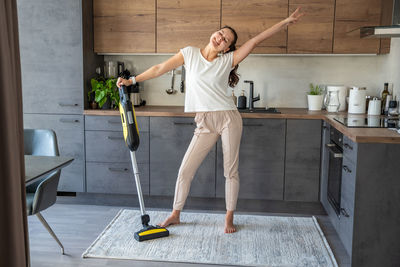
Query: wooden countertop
x: 359, y: 135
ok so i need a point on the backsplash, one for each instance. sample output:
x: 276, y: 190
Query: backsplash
x: 282, y: 81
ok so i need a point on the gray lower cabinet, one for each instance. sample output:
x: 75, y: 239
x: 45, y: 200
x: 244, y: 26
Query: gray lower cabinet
x: 368, y: 223
x: 302, y: 161
x: 169, y: 140
x: 69, y: 131
x: 347, y: 203
x: 108, y: 162
x: 115, y: 178
x: 261, y: 160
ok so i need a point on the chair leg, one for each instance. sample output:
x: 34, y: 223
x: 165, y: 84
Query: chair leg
x: 47, y: 226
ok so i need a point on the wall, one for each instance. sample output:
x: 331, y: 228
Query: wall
x: 282, y: 81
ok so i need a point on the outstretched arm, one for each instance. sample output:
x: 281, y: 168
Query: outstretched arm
x: 155, y: 71
x: 247, y: 47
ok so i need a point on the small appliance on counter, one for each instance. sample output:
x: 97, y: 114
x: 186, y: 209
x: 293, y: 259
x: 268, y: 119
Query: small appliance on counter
x: 357, y: 100
x: 342, y: 91
x: 374, y: 106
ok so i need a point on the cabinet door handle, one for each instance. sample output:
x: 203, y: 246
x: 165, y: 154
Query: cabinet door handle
x: 256, y: 125
x: 346, y: 169
x: 69, y: 120
x: 113, y: 122
x: 348, y: 146
x: 344, y: 212
x: 115, y: 138
x: 68, y: 104
x: 183, y: 123
x: 118, y: 169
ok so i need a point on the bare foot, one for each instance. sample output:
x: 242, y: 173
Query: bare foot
x: 172, y: 219
x: 229, y: 227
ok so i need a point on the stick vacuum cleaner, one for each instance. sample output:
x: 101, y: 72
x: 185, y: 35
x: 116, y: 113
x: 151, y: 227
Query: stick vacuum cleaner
x: 131, y: 136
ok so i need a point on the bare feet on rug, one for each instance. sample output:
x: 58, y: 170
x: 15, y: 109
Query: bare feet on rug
x: 229, y: 227
x: 172, y: 219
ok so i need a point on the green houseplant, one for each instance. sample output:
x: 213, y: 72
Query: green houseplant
x: 104, y: 90
x: 315, y: 97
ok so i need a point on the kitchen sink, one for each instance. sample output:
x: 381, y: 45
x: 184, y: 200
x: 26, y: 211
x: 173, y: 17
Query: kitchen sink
x: 260, y: 110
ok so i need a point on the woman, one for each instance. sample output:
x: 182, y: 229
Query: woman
x: 209, y: 71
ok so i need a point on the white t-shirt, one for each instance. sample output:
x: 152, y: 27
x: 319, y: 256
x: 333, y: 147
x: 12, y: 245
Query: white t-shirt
x: 207, y: 82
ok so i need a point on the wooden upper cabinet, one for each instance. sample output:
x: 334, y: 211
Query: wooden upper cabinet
x: 124, y: 26
x: 350, y: 16
x: 314, y: 32
x: 251, y: 17
x: 181, y: 23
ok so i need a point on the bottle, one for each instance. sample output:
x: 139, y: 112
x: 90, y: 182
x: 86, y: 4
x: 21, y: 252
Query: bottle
x: 234, y: 98
x: 385, y: 93
x: 242, y: 101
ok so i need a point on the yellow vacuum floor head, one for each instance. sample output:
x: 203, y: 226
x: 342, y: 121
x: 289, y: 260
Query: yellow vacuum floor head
x: 151, y: 232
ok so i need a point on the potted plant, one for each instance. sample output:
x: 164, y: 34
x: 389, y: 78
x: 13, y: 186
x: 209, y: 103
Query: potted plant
x: 105, y: 92
x: 315, y: 97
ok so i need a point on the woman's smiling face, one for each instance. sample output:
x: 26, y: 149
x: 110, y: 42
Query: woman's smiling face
x: 221, y: 40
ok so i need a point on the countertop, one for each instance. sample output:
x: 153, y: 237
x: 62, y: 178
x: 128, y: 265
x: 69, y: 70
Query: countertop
x: 359, y: 135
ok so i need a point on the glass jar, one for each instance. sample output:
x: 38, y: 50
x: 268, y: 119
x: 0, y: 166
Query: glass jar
x: 331, y: 101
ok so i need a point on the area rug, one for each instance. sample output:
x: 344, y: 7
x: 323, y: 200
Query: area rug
x: 259, y: 241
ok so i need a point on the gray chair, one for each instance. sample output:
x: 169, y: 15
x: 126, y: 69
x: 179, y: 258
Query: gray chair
x: 43, y: 193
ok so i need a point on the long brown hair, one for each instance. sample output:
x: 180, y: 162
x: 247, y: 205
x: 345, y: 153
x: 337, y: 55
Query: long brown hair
x: 233, y: 76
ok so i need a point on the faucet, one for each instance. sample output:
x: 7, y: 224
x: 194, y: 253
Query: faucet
x: 251, y: 98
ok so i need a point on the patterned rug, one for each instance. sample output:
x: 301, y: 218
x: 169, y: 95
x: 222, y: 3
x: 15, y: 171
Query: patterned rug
x: 259, y: 241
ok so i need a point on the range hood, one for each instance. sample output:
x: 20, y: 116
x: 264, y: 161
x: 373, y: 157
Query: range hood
x: 384, y: 31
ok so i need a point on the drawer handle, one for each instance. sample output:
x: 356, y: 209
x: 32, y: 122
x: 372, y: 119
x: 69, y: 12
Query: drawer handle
x: 68, y: 105
x: 115, y: 138
x: 256, y: 125
x: 183, y: 123
x: 344, y: 212
x: 118, y: 169
x: 69, y: 120
x: 114, y: 122
x: 346, y: 169
x: 348, y: 146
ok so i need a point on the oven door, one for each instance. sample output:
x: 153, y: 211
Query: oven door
x: 335, y: 176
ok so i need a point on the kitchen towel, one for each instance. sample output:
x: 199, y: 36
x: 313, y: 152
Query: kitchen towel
x: 259, y: 241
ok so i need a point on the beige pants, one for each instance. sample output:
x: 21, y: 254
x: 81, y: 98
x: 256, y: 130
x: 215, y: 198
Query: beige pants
x: 211, y: 125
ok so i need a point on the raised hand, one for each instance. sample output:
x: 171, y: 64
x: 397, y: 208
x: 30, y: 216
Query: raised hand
x: 294, y: 17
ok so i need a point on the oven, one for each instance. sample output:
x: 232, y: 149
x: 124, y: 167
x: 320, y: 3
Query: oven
x: 335, y: 148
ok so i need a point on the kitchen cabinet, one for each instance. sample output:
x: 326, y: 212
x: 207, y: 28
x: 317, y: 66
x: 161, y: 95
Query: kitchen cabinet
x: 349, y: 17
x: 122, y: 26
x: 169, y: 140
x: 50, y: 42
x: 261, y: 160
x: 69, y: 131
x: 368, y: 223
x: 181, y: 23
x: 249, y: 18
x: 51, y: 56
x: 108, y: 162
x: 302, y: 160
x: 314, y: 33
